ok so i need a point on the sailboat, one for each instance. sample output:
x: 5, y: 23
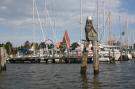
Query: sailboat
x: 125, y: 55
x: 109, y: 52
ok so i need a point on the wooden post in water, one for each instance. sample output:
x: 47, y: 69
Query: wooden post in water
x: 84, y: 59
x: 112, y: 58
x: 3, y: 57
x: 91, y: 35
x: 95, y: 57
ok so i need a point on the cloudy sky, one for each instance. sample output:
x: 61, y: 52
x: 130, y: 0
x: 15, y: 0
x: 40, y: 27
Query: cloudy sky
x: 53, y: 17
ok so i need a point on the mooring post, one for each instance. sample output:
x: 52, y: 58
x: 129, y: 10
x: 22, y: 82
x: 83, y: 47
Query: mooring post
x: 95, y: 57
x: 84, y: 59
x: 111, y: 56
x: 3, y: 57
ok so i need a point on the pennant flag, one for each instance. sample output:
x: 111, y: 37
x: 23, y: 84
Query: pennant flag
x: 66, y: 39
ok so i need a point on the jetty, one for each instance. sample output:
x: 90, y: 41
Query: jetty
x: 49, y: 59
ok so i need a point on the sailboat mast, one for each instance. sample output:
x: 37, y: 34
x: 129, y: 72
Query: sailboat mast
x: 110, y: 35
x: 33, y: 20
x: 97, y: 17
x: 81, y: 21
x: 120, y: 29
x: 127, y: 33
x: 103, y: 22
x: 54, y: 24
x: 34, y: 28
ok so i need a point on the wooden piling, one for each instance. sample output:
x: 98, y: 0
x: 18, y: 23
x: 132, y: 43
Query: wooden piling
x: 84, y: 59
x: 3, y: 57
x: 95, y: 57
x: 111, y: 56
x: 84, y: 63
x: 92, y: 35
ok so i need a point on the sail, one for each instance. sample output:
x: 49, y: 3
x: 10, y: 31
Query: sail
x: 66, y: 39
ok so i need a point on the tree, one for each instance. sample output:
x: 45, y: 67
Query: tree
x: 9, y: 48
x: 36, y: 46
x: 27, y: 45
x: 1, y: 45
x: 14, y: 51
x: 74, y: 45
x: 62, y: 47
x: 50, y: 46
x: 42, y: 45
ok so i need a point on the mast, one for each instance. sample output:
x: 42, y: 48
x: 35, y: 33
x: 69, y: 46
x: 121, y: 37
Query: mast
x: 33, y: 20
x: 54, y: 23
x: 110, y: 35
x: 120, y: 29
x: 40, y: 23
x: 127, y: 33
x: 103, y: 21
x: 97, y: 17
x: 80, y: 21
x: 34, y: 27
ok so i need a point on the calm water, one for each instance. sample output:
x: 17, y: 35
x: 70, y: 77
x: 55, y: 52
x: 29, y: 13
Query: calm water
x: 66, y: 76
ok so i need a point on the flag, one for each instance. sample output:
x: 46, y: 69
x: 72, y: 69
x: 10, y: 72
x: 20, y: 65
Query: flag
x: 66, y: 39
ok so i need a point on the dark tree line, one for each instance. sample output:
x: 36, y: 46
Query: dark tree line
x: 28, y: 45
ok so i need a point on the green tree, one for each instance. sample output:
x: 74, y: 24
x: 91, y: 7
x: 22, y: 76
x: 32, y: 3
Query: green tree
x: 62, y: 47
x: 9, y: 48
x: 42, y: 45
x: 1, y: 45
x: 27, y: 45
x: 74, y: 45
x: 50, y: 46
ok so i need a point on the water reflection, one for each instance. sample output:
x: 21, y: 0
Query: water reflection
x: 93, y: 83
x: 59, y: 76
x: 84, y: 81
x: 96, y: 82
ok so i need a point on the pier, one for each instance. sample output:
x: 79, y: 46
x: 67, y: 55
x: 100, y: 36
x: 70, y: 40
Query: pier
x: 49, y: 59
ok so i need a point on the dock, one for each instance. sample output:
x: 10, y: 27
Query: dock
x: 49, y: 59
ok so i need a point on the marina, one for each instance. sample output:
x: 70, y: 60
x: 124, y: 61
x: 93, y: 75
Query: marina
x: 71, y: 44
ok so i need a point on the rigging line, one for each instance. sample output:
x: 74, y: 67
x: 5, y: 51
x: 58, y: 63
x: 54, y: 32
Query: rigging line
x: 54, y: 22
x: 40, y: 23
x: 50, y: 21
x: 44, y: 24
x: 41, y: 26
x: 106, y: 23
x: 87, y: 5
x: 47, y: 12
x: 103, y: 30
x: 45, y: 16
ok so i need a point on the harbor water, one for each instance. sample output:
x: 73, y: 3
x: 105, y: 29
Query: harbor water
x: 120, y: 75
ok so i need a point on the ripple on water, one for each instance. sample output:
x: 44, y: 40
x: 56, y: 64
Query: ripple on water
x: 67, y: 76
